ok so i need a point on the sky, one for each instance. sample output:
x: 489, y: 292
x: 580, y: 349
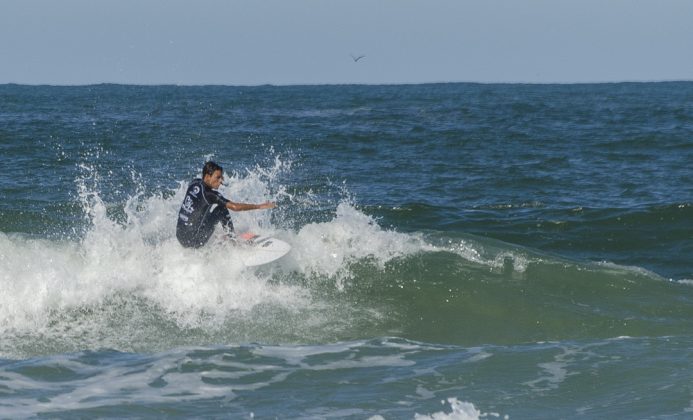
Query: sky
x: 286, y: 42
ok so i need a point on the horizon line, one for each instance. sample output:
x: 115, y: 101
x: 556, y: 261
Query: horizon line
x: 603, y: 82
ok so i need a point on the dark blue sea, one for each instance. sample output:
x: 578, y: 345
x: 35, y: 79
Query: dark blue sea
x: 459, y: 251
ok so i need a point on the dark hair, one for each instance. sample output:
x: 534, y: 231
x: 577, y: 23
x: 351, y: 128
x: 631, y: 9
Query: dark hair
x: 211, y: 167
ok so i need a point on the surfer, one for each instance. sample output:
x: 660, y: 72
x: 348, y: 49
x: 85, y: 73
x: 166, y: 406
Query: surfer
x: 204, y: 207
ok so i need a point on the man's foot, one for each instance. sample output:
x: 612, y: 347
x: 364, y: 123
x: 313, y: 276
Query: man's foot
x: 248, y: 236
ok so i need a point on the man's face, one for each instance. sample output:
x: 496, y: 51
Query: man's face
x: 214, y: 181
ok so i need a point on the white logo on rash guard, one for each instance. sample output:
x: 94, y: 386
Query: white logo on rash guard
x: 195, y: 191
x: 188, y: 205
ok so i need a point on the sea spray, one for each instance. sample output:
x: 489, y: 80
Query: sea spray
x: 127, y: 284
x: 127, y: 261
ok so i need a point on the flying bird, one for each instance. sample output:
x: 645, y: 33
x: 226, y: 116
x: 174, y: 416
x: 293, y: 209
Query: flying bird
x: 357, y: 57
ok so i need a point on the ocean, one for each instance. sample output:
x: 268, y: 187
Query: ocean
x: 459, y: 251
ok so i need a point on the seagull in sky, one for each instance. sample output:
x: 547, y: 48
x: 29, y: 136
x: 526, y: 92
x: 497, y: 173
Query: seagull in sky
x: 357, y: 57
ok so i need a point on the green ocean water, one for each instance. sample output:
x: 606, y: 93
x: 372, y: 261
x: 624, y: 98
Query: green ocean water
x: 457, y: 250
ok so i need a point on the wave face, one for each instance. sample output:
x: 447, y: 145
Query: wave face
x: 449, y: 243
x: 127, y: 284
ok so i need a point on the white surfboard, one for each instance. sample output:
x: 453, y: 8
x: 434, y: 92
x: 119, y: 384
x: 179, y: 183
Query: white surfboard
x: 262, y: 250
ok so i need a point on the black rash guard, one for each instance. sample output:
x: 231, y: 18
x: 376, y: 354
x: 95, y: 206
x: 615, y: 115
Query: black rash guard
x: 197, y: 219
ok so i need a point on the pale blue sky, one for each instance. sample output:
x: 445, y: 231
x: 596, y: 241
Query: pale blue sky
x: 310, y: 41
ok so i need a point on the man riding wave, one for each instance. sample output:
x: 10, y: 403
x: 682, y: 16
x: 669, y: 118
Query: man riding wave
x: 204, y: 207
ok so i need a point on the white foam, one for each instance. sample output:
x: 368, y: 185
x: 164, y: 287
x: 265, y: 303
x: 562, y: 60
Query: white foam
x: 136, y: 257
x: 460, y: 410
x: 555, y: 372
x: 327, y: 249
x: 125, y: 383
x: 130, y: 263
x: 607, y: 266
